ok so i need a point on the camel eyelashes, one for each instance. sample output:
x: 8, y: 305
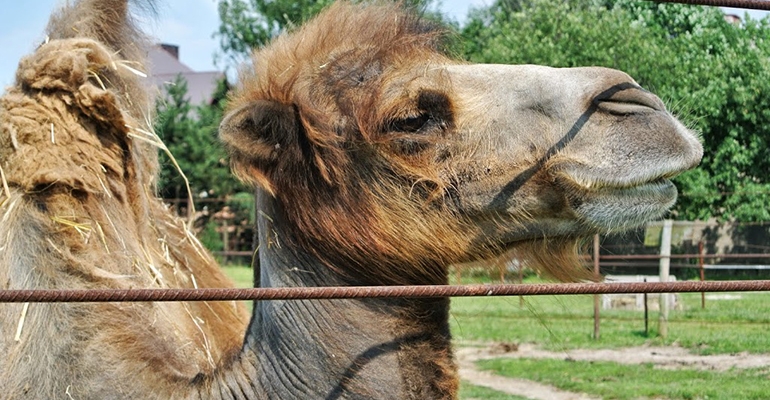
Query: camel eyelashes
x: 432, y: 110
x: 412, y: 135
x: 412, y: 124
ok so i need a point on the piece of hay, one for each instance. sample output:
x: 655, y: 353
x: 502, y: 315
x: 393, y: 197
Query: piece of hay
x: 124, y: 64
x: 101, y: 182
x: 24, y: 309
x: 50, y: 242
x: 155, y: 272
x: 98, y: 79
x: 114, y: 228
x: 206, y: 344
x: 8, y: 209
x: 102, y: 236
x: 152, y: 138
x: 84, y: 229
x: 5, y: 183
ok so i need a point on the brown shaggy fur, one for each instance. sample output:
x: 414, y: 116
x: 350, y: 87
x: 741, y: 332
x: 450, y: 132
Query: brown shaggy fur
x: 82, y: 214
x: 327, y: 102
x: 349, y: 172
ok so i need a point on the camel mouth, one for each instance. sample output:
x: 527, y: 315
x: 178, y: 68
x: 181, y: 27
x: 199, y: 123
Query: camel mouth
x: 618, y: 203
x: 657, y: 189
x: 611, y: 179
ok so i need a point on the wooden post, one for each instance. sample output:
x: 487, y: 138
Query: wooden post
x: 702, y: 274
x: 597, y: 276
x: 225, y: 240
x: 665, y: 264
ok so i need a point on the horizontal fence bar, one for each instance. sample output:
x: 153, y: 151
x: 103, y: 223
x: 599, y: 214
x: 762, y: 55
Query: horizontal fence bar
x: 360, y: 292
x: 658, y: 256
x: 735, y: 267
x: 234, y: 253
x: 747, y: 267
x: 752, y: 4
x: 587, y: 257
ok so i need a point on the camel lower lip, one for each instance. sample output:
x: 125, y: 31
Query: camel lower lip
x: 655, y: 188
x: 618, y: 208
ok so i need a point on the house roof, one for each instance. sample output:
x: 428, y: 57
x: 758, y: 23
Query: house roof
x: 165, y: 66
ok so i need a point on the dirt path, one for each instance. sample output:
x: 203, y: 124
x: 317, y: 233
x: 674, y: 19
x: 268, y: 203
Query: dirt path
x: 671, y: 357
x: 466, y: 359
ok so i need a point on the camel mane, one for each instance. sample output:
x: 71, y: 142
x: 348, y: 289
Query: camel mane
x: 80, y: 159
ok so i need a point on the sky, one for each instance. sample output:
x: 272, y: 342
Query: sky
x: 187, y: 23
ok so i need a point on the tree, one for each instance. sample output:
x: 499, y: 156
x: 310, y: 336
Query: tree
x: 190, y: 133
x: 247, y: 24
x: 714, y: 75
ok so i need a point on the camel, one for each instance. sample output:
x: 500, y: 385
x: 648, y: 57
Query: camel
x: 78, y: 210
x: 377, y: 160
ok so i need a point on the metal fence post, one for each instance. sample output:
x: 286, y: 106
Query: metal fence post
x: 665, y: 263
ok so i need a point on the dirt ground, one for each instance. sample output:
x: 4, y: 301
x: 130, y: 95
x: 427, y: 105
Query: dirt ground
x: 670, y: 357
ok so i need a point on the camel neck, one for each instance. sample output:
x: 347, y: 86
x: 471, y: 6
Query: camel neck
x: 343, y: 349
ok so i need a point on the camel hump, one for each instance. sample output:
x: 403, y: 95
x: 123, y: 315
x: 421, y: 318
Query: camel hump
x: 110, y: 22
x: 94, y: 65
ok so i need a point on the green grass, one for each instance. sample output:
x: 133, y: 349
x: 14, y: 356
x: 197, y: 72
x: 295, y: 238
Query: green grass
x: 242, y: 276
x: 472, y: 392
x: 566, y: 322
x: 617, y: 381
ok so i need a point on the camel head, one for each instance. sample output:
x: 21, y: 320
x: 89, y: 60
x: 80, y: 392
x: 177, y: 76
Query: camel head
x: 376, y: 146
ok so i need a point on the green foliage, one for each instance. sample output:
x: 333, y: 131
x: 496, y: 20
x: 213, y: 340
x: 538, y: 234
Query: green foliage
x: 190, y: 133
x: 248, y: 24
x: 620, y: 381
x: 714, y: 75
x: 245, y: 24
x: 242, y: 204
x: 210, y: 238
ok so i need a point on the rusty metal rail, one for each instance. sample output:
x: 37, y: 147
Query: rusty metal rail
x: 360, y: 292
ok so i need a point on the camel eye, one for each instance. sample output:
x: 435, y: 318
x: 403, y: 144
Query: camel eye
x: 411, y: 124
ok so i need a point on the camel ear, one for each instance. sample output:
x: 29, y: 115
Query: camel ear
x: 258, y: 135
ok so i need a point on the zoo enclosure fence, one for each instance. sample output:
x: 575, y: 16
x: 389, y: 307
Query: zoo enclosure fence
x: 637, y: 252
x: 225, y: 226
x: 26, y: 296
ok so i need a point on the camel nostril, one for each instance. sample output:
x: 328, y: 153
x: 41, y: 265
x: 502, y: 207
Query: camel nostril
x: 634, y: 100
